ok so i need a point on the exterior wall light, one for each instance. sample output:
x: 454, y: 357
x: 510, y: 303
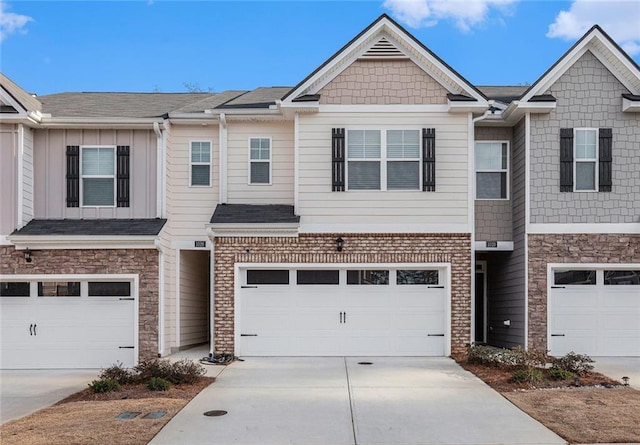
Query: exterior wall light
x: 339, y: 244
x: 27, y: 255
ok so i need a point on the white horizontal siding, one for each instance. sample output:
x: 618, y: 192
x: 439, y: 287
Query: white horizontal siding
x: 321, y: 208
x: 280, y: 191
x: 194, y: 297
x: 8, y: 178
x: 190, y: 208
x: 27, y: 179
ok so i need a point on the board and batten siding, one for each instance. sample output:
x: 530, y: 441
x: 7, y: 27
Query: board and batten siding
x: 50, y: 170
x: 506, y: 270
x: 446, y: 209
x: 190, y: 208
x: 280, y: 191
x: 8, y: 178
x: 194, y: 297
x: 588, y: 96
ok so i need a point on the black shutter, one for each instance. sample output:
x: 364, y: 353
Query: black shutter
x: 566, y: 159
x: 428, y: 159
x: 73, y: 176
x: 605, y: 158
x: 337, y: 159
x: 122, y: 176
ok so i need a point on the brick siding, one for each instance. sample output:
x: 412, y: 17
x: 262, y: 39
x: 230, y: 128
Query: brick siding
x: 569, y: 248
x: 358, y: 248
x: 143, y: 262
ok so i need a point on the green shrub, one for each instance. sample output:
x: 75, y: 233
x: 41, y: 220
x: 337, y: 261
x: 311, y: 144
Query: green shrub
x: 158, y: 384
x: 104, y: 385
x: 182, y: 371
x: 506, y: 358
x: 118, y: 373
x: 561, y: 374
x: 576, y: 363
x: 531, y: 358
x: 527, y: 375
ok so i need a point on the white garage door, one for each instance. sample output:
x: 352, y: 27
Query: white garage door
x: 595, y: 312
x: 67, y: 324
x: 335, y: 312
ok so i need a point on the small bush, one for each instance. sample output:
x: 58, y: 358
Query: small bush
x: 506, y: 358
x: 576, y: 363
x: 158, y: 384
x: 104, y: 385
x: 182, y: 371
x: 527, y: 375
x: 561, y: 374
x: 118, y: 373
x: 531, y: 358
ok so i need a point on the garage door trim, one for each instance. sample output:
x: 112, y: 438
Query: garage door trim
x: 445, y: 269
x: 133, y: 278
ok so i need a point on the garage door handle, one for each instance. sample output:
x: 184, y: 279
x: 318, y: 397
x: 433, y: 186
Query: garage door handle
x: 557, y: 335
x: 31, y: 329
x: 248, y: 287
x: 558, y: 287
x: 248, y: 335
x: 125, y: 347
x: 435, y: 335
x: 34, y: 329
x: 435, y: 287
x: 126, y: 299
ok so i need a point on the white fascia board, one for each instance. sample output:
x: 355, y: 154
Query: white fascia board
x: 6, y: 98
x: 628, y: 228
x: 536, y: 107
x: 386, y: 228
x: 54, y: 242
x: 630, y: 106
x: 257, y: 230
x: 440, y: 108
x: 468, y: 107
x: 4, y: 241
x: 101, y: 122
x: 65, y: 277
x: 504, y: 246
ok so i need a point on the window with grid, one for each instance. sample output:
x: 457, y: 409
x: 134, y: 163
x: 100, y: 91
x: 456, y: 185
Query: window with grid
x: 586, y: 159
x: 200, y: 163
x: 492, y: 170
x: 259, y: 161
x: 98, y: 176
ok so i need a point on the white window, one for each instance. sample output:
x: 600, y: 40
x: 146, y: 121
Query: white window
x: 98, y: 176
x: 200, y: 163
x: 586, y: 159
x: 492, y: 170
x: 383, y: 160
x: 259, y: 161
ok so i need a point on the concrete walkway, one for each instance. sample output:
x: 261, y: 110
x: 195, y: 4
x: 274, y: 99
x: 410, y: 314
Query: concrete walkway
x: 338, y: 401
x: 23, y: 392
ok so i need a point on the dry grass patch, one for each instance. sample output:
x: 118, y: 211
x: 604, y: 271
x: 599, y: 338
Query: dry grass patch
x: 86, y: 418
x: 584, y: 415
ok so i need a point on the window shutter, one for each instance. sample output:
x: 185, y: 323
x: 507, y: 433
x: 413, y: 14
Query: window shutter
x: 605, y: 157
x: 73, y: 176
x: 566, y: 159
x: 122, y: 176
x: 428, y: 159
x: 337, y: 158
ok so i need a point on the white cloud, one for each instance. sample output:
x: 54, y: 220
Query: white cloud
x: 620, y: 19
x: 464, y: 13
x: 10, y: 23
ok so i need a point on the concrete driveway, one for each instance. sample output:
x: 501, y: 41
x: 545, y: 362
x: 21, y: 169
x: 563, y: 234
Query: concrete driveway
x: 618, y: 367
x: 23, y: 392
x: 338, y: 401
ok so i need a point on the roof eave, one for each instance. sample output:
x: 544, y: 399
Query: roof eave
x: 41, y: 242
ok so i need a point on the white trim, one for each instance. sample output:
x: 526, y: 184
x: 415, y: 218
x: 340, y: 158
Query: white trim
x: 161, y: 290
x: 385, y: 228
x: 258, y: 230
x: 467, y: 106
x: 159, y: 169
x: 210, y: 163
x: 222, y: 180
x: 177, y: 302
x: 481, y: 246
x: 332, y: 108
x: 444, y: 267
x: 483, y: 271
x: 20, y: 178
x: 54, y: 242
x: 593, y: 161
x: 212, y: 300
x: 113, y: 176
x: 296, y: 163
x: 135, y: 291
x: 571, y: 228
x: 471, y: 218
x: 4, y: 241
x: 104, y: 122
x: 190, y: 244
x: 527, y: 216
x: 165, y: 137
x: 8, y: 99
x: 262, y: 161
x: 630, y: 106
x: 507, y: 170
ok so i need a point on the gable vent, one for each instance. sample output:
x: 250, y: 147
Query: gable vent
x: 383, y: 49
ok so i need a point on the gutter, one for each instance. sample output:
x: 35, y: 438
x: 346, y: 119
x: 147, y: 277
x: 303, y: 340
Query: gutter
x: 222, y: 130
x: 160, y: 170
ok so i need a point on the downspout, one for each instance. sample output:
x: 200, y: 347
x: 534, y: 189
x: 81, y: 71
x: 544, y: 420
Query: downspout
x: 472, y: 211
x: 161, y: 326
x: 160, y: 169
x: 20, y: 178
x: 212, y: 288
x: 223, y: 157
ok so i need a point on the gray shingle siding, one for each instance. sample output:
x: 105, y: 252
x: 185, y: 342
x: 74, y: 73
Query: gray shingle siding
x: 588, y: 96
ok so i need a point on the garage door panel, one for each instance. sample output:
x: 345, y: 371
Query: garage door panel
x: 417, y: 344
x: 259, y: 298
x: 263, y: 321
x: 427, y: 298
x: 624, y: 322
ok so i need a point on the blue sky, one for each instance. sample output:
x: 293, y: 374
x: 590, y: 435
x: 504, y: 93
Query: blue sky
x: 158, y: 45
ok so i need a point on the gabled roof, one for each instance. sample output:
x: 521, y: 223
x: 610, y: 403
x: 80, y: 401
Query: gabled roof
x: 605, y: 49
x: 24, y: 99
x: 385, y: 38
